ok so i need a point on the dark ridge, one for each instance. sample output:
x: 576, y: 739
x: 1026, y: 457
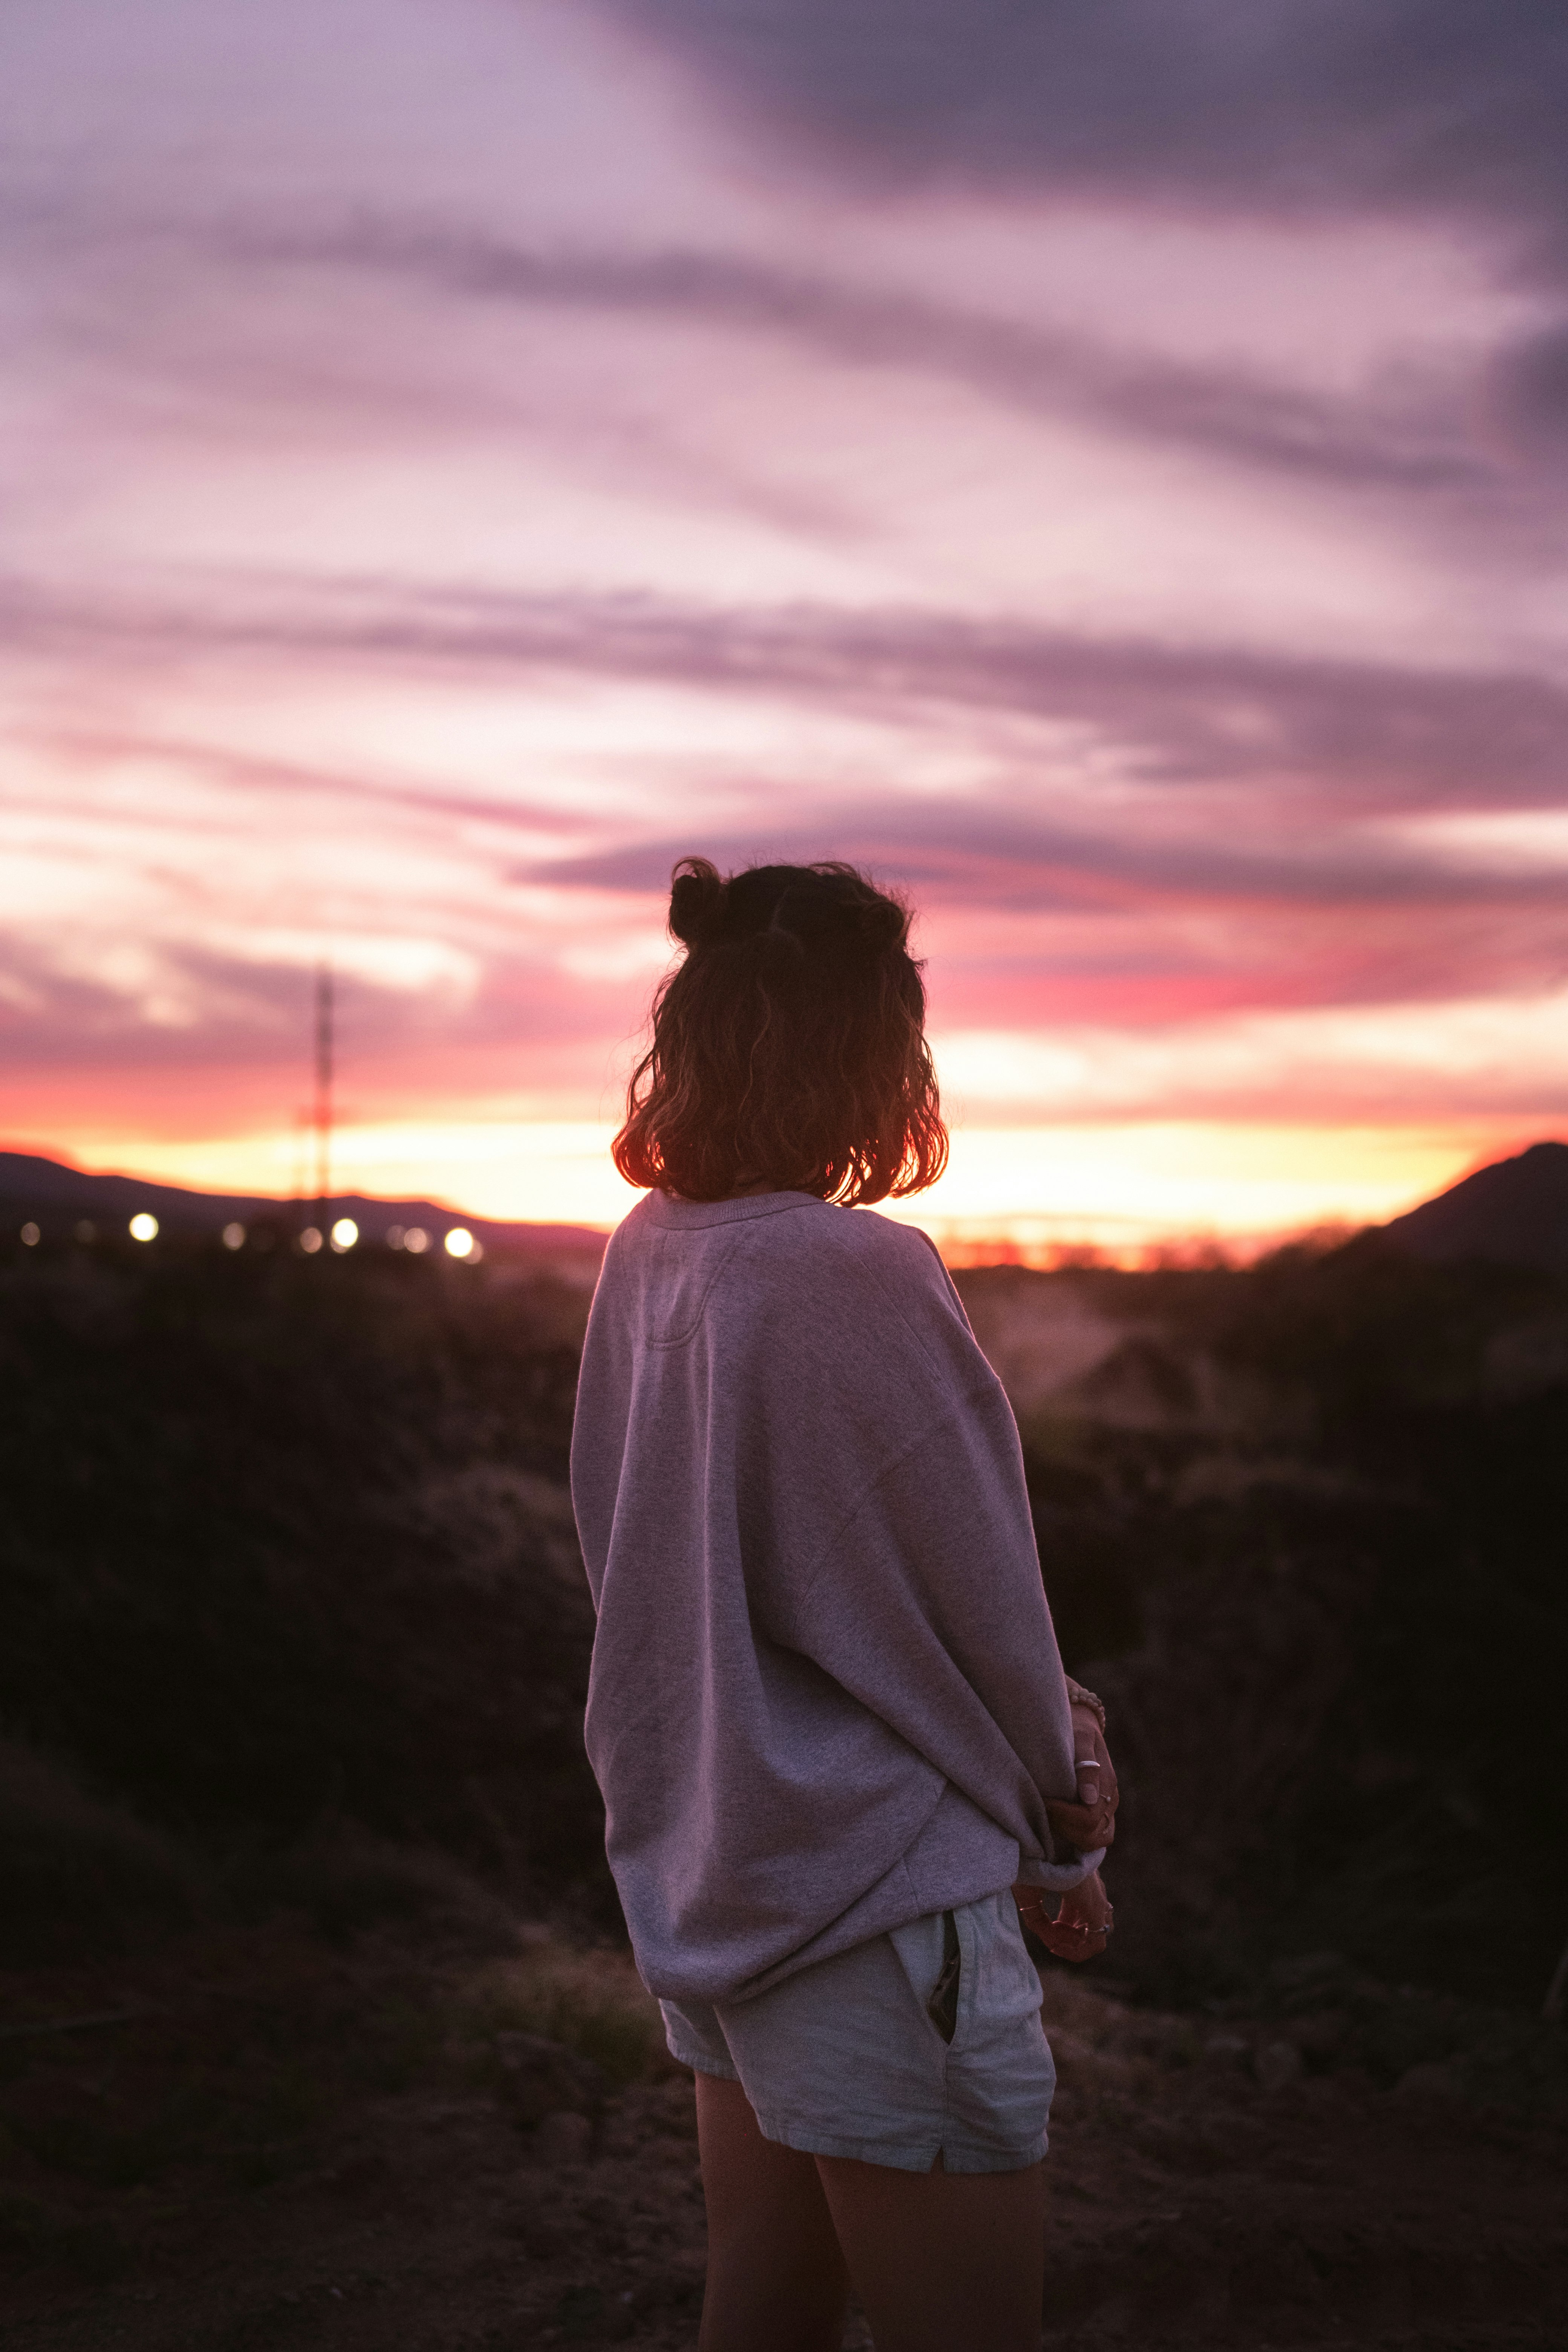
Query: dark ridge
x: 58, y: 1198
x: 1514, y: 1212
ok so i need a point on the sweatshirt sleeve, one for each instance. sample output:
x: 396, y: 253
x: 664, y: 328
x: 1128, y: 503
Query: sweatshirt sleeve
x: 926, y: 1604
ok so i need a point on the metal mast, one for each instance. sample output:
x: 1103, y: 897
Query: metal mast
x: 323, y: 1110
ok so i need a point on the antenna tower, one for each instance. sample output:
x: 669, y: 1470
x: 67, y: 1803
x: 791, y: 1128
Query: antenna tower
x: 323, y: 1110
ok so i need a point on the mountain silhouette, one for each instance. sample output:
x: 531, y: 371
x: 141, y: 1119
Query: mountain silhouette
x: 58, y: 1199
x: 1514, y: 1212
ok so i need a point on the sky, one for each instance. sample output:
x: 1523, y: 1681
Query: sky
x: 1103, y: 470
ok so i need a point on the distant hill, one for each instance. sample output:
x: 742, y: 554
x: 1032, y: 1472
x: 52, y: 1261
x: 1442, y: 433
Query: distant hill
x: 59, y: 1199
x: 1514, y: 1212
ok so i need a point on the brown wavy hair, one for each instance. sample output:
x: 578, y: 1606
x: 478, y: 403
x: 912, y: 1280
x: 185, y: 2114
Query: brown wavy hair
x: 788, y: 1045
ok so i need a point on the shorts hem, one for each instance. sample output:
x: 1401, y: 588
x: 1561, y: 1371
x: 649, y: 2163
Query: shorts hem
x: 900, y: 2155
x: 700, y: 2063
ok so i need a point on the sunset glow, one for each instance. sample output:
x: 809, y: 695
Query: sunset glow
x: 462, y: 459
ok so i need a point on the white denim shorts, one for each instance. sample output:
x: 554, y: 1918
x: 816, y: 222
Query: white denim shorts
x: 847, y: 2058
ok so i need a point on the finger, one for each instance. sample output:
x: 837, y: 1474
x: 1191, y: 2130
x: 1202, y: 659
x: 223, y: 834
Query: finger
x: 1080, y: 1825
x: 1096, y: 1914
x: 1064, y: 1945
x: 1073, y: 1934
x: 1076, y: 1825
x: 1104, y: 1827
x: 1088, y: 1901
x: 1085, y: 1909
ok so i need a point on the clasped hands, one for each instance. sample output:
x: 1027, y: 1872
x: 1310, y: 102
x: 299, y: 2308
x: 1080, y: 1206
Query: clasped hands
x: 1082, y: 1925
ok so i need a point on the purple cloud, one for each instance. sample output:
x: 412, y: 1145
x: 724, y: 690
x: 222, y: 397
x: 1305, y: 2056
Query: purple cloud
x: 1420, y: 441
x: 1302, y: 107
x: 1344, y: 734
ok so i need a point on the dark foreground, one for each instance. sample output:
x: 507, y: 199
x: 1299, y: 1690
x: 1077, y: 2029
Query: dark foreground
x: 263, y: 2141
x: 292, y: 1688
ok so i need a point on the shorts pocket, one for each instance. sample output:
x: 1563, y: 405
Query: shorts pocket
x: 942, y: 2007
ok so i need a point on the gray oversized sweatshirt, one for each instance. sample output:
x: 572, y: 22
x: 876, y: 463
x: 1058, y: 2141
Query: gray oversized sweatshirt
x: 825, y: 1695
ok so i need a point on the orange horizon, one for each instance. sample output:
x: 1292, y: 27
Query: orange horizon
x: 1028, y: 1236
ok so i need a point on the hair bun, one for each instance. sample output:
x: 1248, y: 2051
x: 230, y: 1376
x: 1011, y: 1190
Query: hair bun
x: 696, y: 895
x: 882, y: 922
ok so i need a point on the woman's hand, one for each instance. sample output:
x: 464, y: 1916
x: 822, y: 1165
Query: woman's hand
x: 1090, y: 1822
x: 1080, y: 1928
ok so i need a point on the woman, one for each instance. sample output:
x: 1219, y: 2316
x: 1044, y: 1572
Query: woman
x: 826, y: 1709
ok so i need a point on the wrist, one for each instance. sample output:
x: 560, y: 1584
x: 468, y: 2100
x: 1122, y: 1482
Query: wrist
x: 1080, y: 1697
x: 1037, y: 1902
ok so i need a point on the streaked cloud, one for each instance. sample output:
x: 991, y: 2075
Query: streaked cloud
x: 1418, y: 435
x: 1182, y: 714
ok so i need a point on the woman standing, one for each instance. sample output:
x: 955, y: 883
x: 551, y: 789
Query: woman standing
x: 826, y: 1709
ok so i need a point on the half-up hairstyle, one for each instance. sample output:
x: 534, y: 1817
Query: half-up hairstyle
x: 788, y: 1045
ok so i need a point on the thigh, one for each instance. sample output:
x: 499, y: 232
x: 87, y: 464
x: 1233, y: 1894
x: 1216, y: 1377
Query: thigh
x: 942, y: 2261
x: 776, y: 2280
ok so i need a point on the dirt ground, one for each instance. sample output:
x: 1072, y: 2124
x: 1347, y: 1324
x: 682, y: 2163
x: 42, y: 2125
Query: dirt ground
x: 256, y: 2140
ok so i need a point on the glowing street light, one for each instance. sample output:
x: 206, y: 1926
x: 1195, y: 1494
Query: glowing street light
x: 310, y: 1239
x: 416, y: 1240
x: 459, y: 1242
x: 345, y: 1232
x: 144, y: 1226
x: 234, y: 1236
x: 31, y: 1236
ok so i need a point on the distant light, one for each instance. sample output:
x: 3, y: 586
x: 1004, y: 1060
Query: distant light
x: 345, y: 1232
x: 417, y: 1239
x: 459, y: 1242
x: 144, y: 1226
x: 309, y: 1240
x: 234, y: 1236
x: 31, y: 1236
x: 86, y: 1231
x: 394, y: 1237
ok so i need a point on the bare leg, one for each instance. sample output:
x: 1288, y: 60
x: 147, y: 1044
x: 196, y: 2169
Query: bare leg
x: 776, y: 2280
x: 942, y: 2261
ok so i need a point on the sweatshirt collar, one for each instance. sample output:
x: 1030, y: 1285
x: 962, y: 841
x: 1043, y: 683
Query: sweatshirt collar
x: 669, y: 1210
